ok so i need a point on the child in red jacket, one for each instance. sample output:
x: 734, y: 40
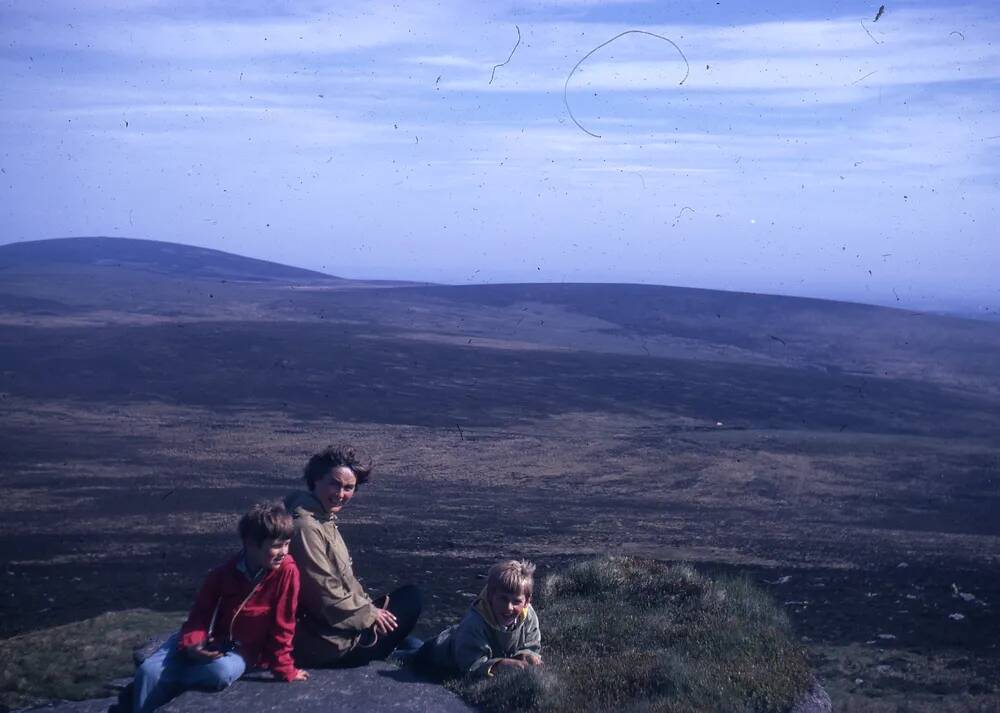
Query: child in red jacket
x: 243, y: 617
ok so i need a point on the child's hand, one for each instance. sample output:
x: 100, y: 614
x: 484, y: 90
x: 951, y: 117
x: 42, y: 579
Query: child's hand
x: 301, y: 675
x: 198, y: 652
x: 530, y: 658
x: 385, y: 621
x: 511, y: 664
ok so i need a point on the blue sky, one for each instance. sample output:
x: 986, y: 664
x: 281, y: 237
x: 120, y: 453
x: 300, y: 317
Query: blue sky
x: 809, y: 151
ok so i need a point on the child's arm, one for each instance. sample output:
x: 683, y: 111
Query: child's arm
x: 194, y: 632
x: 472, y: 649
x: 531, y: 649
x: 278, y: 646
x: 528, y: 657
x: 513, y: 663
x: 325, y: 590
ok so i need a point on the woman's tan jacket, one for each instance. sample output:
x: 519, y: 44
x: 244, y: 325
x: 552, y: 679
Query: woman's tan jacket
x: 334, y: 610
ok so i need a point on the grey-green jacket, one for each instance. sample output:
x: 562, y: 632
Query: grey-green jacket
x: 332, y: 603
x: 474, y: 645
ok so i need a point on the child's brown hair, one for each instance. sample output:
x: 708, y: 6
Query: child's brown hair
x: 266, y: 521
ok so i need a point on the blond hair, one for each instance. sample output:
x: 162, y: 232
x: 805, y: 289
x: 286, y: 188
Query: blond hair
x: 513, y: 576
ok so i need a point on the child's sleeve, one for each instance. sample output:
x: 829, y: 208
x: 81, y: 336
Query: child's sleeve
x: 327, y: 590
x: 278, y: 647
x: 471, y: 648
x: 532, y: 643
x: 195, y: 629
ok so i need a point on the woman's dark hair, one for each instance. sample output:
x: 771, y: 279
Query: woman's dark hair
x: 345, y: 456
x: 266, y: 521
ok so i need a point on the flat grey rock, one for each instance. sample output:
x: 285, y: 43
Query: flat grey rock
x: 376, y: 687
x: 373, y: 688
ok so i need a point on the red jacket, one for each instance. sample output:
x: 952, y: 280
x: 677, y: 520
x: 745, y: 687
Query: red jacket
x: 263, y: 628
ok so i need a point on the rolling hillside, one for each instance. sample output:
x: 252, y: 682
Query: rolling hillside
x: 844, y: 456
x: 162, y: 258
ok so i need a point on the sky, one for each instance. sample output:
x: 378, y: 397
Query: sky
x: 779, y: 147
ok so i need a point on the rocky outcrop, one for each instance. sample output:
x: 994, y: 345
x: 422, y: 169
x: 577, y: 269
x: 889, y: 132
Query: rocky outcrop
x: 375, y: 687
x: 372, y: 688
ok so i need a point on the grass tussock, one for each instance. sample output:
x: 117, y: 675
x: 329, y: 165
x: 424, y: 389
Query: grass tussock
x: 643, y: 637
x: 75, y: 661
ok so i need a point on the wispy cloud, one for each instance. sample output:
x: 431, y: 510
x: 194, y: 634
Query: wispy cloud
x: 192, y: 38
x: 445, y: 60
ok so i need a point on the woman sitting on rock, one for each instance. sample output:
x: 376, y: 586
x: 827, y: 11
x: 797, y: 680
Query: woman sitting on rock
x: 339, y: 625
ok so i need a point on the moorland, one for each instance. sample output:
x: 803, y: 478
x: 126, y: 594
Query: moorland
x: 845, y: 457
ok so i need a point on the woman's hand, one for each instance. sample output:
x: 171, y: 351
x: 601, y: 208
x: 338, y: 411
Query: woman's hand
x: 385, y: 621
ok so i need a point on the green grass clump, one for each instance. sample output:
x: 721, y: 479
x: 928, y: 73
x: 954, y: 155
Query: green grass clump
x: 75, y: 661
x: 625, y: 634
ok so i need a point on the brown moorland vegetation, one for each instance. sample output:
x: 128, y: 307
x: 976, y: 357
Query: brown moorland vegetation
x: 843, y: 457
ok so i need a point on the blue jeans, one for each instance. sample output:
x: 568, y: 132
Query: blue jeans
x: 169, y: 672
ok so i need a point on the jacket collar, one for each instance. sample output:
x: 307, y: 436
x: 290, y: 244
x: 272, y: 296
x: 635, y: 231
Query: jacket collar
x: 303, y: 501
x: 239, y: 563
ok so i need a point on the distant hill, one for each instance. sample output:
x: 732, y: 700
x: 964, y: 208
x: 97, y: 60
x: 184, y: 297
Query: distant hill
x: 154, y: 256
x: 83, y: 282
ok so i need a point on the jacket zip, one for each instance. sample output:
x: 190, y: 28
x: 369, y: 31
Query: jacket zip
x: 239, y: 609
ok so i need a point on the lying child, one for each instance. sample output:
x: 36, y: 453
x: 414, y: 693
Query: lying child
x: 500, y: 630
x: 244, y: 616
